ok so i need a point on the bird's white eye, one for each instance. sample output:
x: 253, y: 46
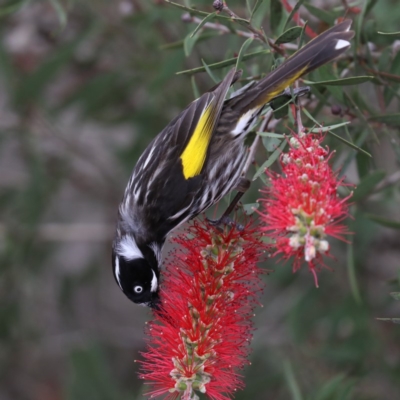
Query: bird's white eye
x: 138, y: 289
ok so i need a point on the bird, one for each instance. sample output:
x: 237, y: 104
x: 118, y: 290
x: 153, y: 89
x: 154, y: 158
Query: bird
x: 196, y: 160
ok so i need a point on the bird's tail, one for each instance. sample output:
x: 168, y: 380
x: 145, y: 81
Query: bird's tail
x: 321, y: 50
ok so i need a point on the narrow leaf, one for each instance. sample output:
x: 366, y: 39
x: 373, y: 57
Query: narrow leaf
x: 321, y: 14
x: 354, y: 80
x: 290, y: 16
x: 209, y: 17
x: 390, y: 119
x: 178, y: 44
x: 244, y: 47
x: 204, y: 14
x: 276, y: 12
x: 11, y: 6
x: 61, y: 14
x: 271, y: 144
x: 257, y: 5
x: 395, y: 295
x: 250, y: 208
x: 366, y: 186
x: 394, y: 320
x: 271, y: 134
x: 272, y: 158
x: 258, y: 15
x: 222, y: 64
x: 196, y: 91
x: 292, y: 382
x: 388, y: 223
x: 290, y: 35
x: 189, y: 43
x: 391, y: 34
x: 208, y: 70
x: 328, y: 127
x: 346, y: 142
x: 351, y: 269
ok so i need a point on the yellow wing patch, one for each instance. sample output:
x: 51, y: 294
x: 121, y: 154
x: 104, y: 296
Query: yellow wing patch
x: 270, y: 94
x: 194, y: 155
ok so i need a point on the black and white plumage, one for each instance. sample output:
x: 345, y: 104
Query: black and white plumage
x: 196, y: 160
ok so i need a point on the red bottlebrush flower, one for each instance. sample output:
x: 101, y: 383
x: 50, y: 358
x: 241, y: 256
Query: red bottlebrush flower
x: 199, y: 340
x: 302, y: 207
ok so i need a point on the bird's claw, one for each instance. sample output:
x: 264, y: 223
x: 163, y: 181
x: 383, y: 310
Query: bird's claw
x: 225, y: 220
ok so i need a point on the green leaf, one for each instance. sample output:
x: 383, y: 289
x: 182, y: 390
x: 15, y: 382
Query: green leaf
x: 388, y: 223
x: 394, y: 320
x: 351, y: 270
x: 270, y: 143
x: 276, y: 12
x: 209, y: 72
x: 178, y: 44
x: 321, y: 14
x: 356, y: 109
x: 391, y: 34
x: 366, y: 186
x: 203, y: 14
x: 331, y: 388
x: 328, y: 127
x: 294, y: 10
x: 395, y: 295
x: 370, y: 5
x: 272, y: 158
x: 258, y: 14
x: 12, y: 6
x: 256, y: 7
x: 222, y: 64
x: 250, y: 208
x: 302, y: 36
x: 188, y: 43
x: 354, y: 80
x: 209, y: 17
x: 242, y: 50
x: 196, y: 91
x: 282, y: 111
x: 61, y: 13
x: 291, y: 381
x: 390, y: 119
x: 271, y: 134
x: 290, y: 35
x: 346, y: 142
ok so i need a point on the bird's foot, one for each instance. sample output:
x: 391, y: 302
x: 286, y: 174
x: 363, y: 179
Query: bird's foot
x: 225, y: 220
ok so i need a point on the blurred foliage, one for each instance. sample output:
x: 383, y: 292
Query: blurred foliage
x: 85, y: 86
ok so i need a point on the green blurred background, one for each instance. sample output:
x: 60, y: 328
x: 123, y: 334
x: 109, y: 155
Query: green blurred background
x: 84, y: 87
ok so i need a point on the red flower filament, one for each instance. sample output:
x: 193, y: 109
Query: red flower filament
x: 302, y: 207
x: 200, y: 339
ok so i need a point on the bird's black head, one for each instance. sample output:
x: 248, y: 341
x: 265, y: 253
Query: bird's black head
x: 136, y: 272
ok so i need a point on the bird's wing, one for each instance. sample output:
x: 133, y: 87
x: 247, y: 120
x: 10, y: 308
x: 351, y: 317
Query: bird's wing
x: 196, y: 126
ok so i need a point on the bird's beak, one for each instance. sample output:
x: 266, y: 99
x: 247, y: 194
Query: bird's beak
x: 155, y: 302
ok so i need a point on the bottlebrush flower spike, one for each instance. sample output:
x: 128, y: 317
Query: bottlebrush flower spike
x: 200, y: 338
x: 302, y: 207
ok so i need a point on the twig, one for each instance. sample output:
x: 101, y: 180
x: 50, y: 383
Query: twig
x: 299, y: 121
x: 215, y: 26
x: 253, y: 147
x: 389, y: 181
x: 258, y: 33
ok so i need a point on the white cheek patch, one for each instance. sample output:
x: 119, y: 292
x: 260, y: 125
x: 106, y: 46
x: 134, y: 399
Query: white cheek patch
x: 340, y: 44
x: 117, y: 271
x: 128, y: 248
x: 154, y: 282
